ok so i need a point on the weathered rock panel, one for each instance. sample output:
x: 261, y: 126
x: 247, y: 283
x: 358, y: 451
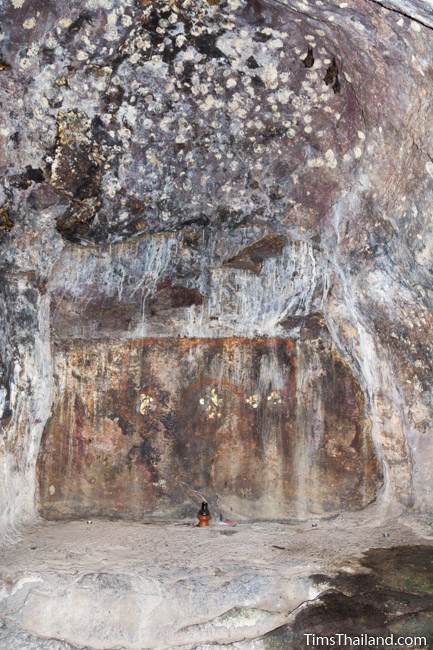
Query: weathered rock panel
x: 261, y: 427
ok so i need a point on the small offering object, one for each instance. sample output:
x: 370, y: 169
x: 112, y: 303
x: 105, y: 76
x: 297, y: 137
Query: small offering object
x: 226, y: 522
x: 203, y: 515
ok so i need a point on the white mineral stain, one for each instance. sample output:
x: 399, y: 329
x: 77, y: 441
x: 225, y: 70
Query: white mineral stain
x: 429, y: 168
x: 357, y: 152
x: 17, y: 3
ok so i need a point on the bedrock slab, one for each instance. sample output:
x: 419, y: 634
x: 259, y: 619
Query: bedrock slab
x: 111, y: 585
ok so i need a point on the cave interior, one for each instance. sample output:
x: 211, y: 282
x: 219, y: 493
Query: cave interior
x: 216, y: 254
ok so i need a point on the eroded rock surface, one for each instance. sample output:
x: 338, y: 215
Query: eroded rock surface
x: 219, y: 169
x: 262, y: 586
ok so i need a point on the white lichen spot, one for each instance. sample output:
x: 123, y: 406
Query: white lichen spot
x: 347, y: 77
x: 357, y: 152
x: 52, y: 490
x: 25, y: 63
x: 429, y: 168
x: 208, y: 103
x: 283, y: 95
x: 315, y: 162
x: 269, y: 75
x: 180, y: 40
x: 29, y: 23
x: 331, y: 160
x: 135, y: 58
x: 64, y: 23
x: 33, y: 50
x: 152, y: 158
x: 165, y: 124
x: 275, y: 44
x: 415, y: 26
x: 361, y: 135
x: 51, y: 42
x: 82, y: 55
x: 231, y: 82
x: 17, y: 4
x: 308, y: 129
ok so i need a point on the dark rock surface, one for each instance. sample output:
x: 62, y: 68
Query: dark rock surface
x: 392, y: 598
x: 143, y: 145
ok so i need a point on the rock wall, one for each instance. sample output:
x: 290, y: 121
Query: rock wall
x: 218, y: 169
x: 263, y: 428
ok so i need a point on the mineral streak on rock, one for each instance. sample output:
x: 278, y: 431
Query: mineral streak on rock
x: 147, y: 152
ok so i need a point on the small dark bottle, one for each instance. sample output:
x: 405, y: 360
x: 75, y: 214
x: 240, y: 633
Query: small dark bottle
x: 203, y: 515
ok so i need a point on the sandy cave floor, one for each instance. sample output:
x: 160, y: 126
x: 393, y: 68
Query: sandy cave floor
x: 154, y: 585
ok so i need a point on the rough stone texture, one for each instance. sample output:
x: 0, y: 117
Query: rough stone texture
x: 196, y: 172
x: 261, y: 427
x: 150, y: 145
x: 260, y: 586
